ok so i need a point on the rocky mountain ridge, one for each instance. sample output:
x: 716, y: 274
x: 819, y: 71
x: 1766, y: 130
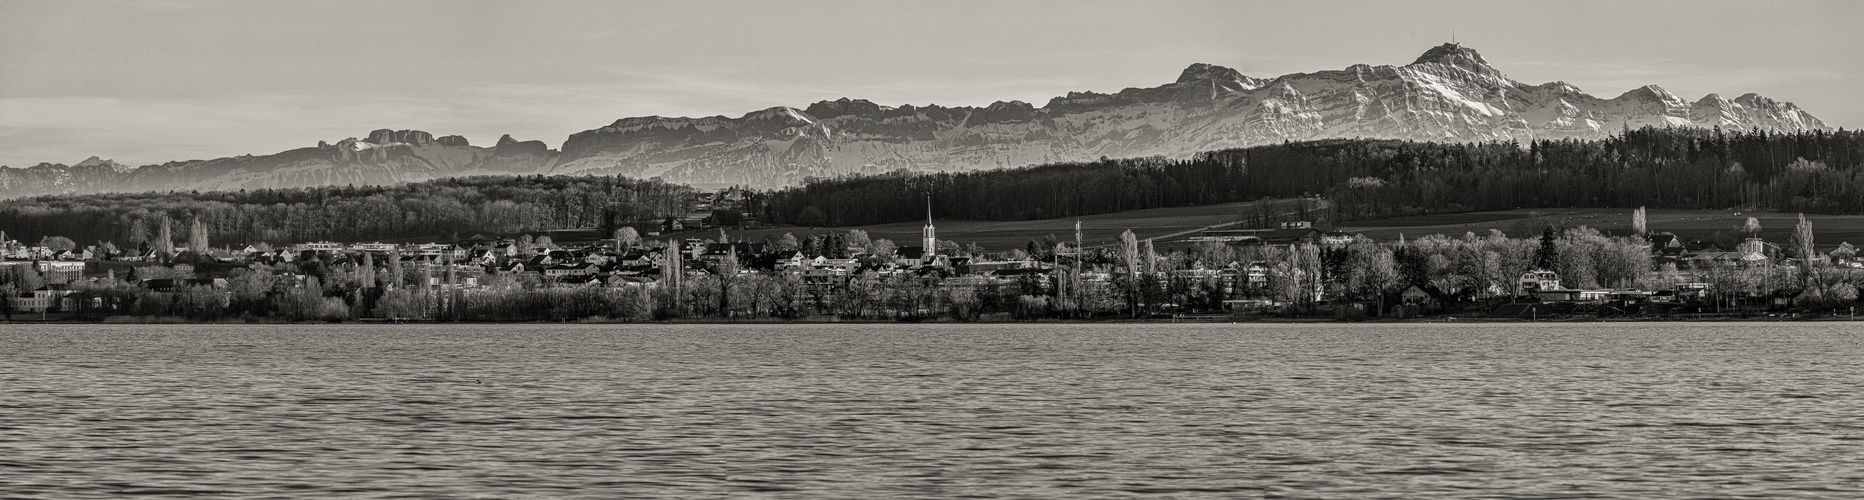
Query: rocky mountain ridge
x: 1449, y: 93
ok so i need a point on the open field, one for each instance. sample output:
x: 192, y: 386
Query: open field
x: 1828, y: 230
x: 1005, y: 235
x: 1105, y: 228
x: 994, y: 236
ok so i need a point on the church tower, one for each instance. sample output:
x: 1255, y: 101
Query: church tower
x: 929, y: 235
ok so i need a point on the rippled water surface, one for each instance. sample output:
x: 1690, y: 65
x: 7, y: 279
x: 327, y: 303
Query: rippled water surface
x: 1760, y: 410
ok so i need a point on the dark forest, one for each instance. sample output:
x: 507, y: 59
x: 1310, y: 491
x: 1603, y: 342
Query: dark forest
x: 1815, y: 172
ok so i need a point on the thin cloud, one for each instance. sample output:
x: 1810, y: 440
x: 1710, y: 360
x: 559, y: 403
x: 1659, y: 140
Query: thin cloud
x: 1609, y: 78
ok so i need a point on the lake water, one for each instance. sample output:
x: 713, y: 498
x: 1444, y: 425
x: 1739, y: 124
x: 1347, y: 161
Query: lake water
x: 1672, y: 410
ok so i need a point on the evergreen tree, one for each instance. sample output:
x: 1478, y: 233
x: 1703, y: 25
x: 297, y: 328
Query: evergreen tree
x: 1549, y: 255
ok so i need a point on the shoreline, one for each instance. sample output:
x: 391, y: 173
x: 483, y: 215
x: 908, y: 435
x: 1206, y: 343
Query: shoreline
x: 171, y: 320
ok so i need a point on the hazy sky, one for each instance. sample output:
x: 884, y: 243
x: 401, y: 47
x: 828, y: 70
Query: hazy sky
x: 157, y: 80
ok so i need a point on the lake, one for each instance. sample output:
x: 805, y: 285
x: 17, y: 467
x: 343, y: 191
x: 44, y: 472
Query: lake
x: 1580, y: 410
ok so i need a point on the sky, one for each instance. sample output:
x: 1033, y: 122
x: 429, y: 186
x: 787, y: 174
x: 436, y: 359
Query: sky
x: 149, y: 81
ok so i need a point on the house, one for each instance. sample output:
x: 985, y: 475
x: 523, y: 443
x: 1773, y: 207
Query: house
x: 142, y: 254
x: 786, y: 259
x: 1535, y: 281
x: 843, y: 265
x: 639, y: 258
x: 1704, y: 260
x: 908, y: 256
x: 1240, y: 306
x: 483, y: 257
x: 1666, y: 243
x: 45, y: 298
x: 1573, y: 295
x: 720, y: 252
x: 1256, y: 273
x: 377, y: 247
x: 429, y: 250
x: 565, y: 270
x: 1631, y: 296
x: 462, y: 282
x: 598, y: 258
x: 1844, y: 255
x: 1336, y: 238
x: 1421, y: 296
x: 936, y: 263
x: 632, y: 281
x: 323, y: 246
x: 73, y: 254
x: 1755, y: 246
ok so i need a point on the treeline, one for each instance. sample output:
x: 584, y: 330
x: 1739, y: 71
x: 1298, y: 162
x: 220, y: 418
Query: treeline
x: 491, y: 204
x: 1813, y: 172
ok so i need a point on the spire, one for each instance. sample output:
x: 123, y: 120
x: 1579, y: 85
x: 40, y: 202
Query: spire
x: 929, y: 235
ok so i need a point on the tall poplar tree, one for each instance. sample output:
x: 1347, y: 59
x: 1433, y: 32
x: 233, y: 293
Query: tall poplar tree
x: 164, y: 240
x: 1802, y: 242
x: 1129, y: 248
x: 197, y: 240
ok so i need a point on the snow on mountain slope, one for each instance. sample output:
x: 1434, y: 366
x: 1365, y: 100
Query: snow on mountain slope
x: 1449, y: 93
x: 385, y: 157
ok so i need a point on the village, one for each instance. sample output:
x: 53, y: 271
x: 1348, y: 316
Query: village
x: 688, y: 267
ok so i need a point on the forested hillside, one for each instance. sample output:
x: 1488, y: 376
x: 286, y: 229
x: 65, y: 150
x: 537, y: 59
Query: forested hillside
x: 494, y: 204
x: 1816, y: 172
x: 1813, y: 172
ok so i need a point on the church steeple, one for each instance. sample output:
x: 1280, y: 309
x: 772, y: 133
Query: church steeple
x: 929, y: 234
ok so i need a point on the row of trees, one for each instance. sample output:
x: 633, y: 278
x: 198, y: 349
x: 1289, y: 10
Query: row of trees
x: 1814, y: 172
x: 494, y: 204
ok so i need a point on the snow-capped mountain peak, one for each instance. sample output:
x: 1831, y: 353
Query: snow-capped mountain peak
x: 1449, y: 93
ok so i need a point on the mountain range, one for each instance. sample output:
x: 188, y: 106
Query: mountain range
x: 1450, y: 93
